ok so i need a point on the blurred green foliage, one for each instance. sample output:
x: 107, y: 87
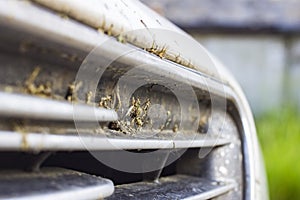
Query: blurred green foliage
x: 279, y: 134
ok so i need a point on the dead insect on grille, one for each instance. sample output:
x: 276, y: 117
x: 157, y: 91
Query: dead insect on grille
x: 31, y: 87
x: 73, y: 88
x: 106, y: 102
x: 89, y: 96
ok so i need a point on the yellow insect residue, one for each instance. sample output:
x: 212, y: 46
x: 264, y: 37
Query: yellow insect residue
x: 106, y: 102
x: 72, y: 91
x: 89, y: 96
x: 175, y: 128
x: 24, y: 143
x: 121, y: 38
x: 138, y: 112
x: 160, y: 52
x: 31, y: 87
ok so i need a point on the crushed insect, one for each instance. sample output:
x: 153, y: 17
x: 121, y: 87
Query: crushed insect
x: 146, y: 107
x: 121, y: 38
x: 175, y: 128
x: 160, y: 52
x: 43, y: 90
x: 204, y: 121
x: 167, y: 122
x: 72, y: 91
x: 135, y: 111
x: 18, y: 126
x: 106, y: 102
x: 33, y: 76
x: 135, y: 118
x: 89, y: 96
x: 122, y: 127
x: 109, y: 31
x: 139, y: 112
x: 203, y: 124
x: 177, y: 58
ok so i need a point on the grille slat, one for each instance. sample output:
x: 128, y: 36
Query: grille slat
x: 16, y: 105
x: 167, y: 188
x: 55, y: 142
x: 53, y: 183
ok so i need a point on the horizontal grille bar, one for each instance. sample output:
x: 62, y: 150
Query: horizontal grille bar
x: 173, y: 187
x: 53, y: 184
x: 42, y: 141
x: 16, y: 105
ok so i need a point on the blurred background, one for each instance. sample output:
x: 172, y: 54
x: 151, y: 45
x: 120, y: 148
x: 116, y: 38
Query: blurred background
x: 259, y: 41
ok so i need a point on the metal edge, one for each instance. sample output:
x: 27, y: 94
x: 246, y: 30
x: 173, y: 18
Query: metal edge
x: 213, y: 193
x: 18, y: 105
x: 43, y: 142
x: 91, y: 192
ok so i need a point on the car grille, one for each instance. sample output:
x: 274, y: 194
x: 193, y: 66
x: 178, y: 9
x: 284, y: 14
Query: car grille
x: 41, y: 53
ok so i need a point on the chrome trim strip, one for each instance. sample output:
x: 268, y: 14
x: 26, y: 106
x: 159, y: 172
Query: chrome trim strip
x: 190, y: 187
x: 31, y: 107
x: 53, y: 183
x: 40, y: 141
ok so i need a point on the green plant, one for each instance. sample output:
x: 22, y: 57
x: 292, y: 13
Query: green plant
x: 279, y: 134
